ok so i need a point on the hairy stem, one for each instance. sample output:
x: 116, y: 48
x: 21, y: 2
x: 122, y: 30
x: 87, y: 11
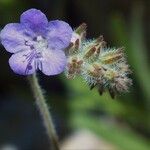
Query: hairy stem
x: 44, y: 111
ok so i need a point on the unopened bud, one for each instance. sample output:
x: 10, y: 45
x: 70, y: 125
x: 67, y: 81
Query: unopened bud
x: 73, y: 67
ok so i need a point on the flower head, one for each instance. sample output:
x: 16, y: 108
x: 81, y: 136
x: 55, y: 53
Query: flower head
x: 36, y: 44
x: 99, y: 66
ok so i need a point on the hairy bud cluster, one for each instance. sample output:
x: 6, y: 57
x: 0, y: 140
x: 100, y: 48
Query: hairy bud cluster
x: 100, y: 66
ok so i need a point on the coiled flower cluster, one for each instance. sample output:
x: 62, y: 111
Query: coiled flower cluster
x: 100, y: 66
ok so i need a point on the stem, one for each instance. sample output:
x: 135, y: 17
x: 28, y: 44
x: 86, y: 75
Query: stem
x: 43, y: 108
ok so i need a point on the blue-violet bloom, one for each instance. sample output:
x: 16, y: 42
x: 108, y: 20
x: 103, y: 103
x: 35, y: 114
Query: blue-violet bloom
x: 36, y: 44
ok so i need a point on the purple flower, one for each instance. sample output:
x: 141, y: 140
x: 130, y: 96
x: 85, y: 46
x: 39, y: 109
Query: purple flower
x: 36, y: 44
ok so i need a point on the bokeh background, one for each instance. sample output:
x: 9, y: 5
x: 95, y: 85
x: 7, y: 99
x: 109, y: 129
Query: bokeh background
x: 81, y: 116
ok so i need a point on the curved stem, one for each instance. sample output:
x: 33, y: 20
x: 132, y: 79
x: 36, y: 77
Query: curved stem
x: 43, y: 108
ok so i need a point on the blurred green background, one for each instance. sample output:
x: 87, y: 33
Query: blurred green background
x: 123, y: 122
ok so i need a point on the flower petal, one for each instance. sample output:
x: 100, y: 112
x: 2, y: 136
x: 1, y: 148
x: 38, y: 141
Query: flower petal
x: 13, y: 37
x: 22, y: 63
x: 35, y: 20
x: 53, y: 62
x: 59, y: 34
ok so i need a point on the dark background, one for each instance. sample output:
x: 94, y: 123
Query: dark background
x: 123, y: 122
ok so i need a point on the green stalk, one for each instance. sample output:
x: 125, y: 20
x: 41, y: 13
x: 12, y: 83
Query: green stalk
x: 44, y: 111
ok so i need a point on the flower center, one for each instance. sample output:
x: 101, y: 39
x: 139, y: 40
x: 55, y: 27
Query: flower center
x: 37, y: 46
x: 40, y: 44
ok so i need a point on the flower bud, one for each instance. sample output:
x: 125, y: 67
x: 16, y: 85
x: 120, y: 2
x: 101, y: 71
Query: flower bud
x: 73, y: 67
x: 91, y: 49
x: 111, y: 56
